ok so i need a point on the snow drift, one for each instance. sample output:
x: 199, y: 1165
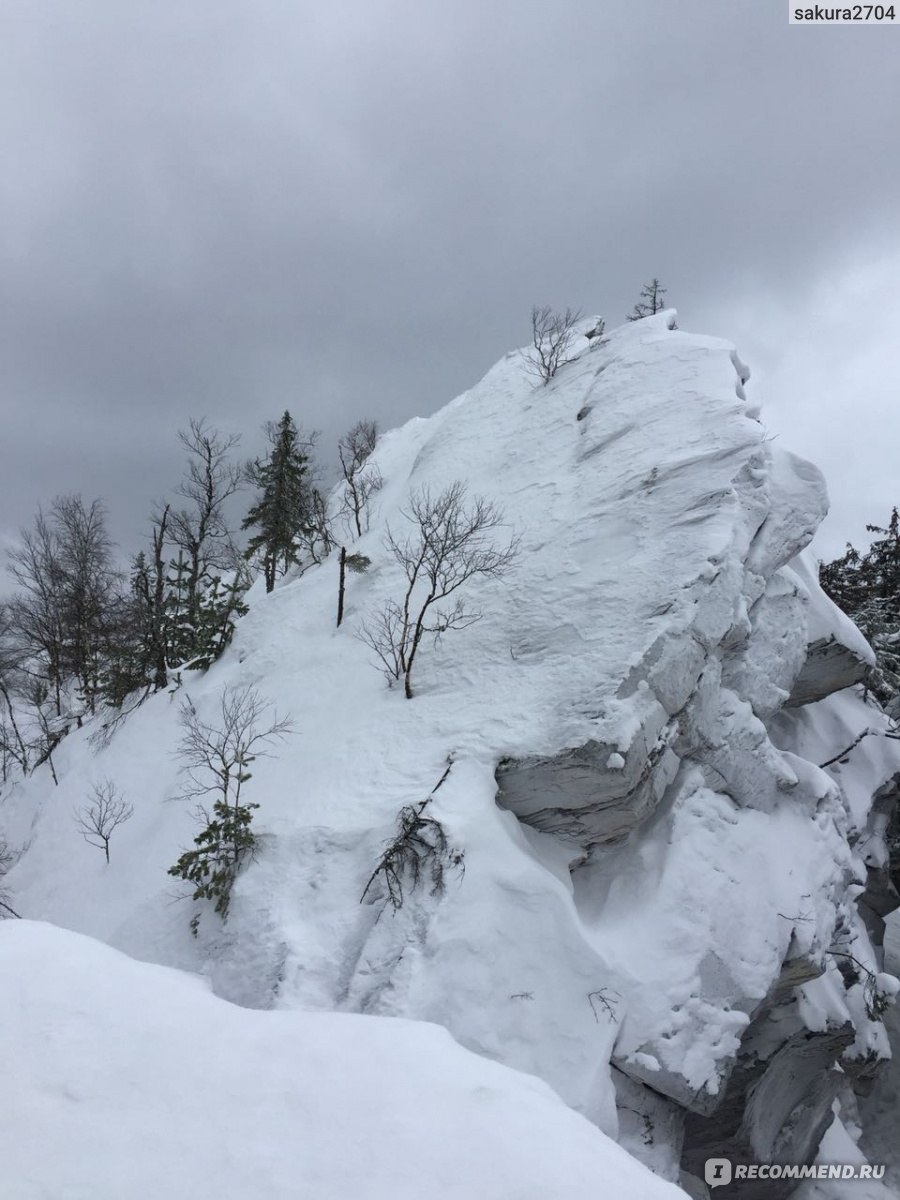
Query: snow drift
x: 132, y: 1080
x: 664, y: 893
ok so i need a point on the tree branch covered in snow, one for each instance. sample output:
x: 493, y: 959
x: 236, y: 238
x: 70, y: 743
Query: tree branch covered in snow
x: 419, y: 850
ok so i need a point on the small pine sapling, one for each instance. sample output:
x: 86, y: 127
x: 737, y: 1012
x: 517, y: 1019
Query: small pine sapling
x: 215, y: 760
x: 357, y: 564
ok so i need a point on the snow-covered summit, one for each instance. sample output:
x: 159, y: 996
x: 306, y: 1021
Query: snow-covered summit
x: 660, y: 880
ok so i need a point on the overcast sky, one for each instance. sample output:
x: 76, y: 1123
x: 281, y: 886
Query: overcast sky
x: 221, y: 208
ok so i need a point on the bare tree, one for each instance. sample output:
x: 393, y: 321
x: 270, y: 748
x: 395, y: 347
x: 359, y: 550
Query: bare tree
x: 201, y: 531
x: 36, y: 609
x: 216, y: 760
x: 6, y: 861
x: 316, y: 539
x: 68, y: 592
x: 362, y: 478
x: 105, y: 812
x: 51, y: 727
x: 13, y: 748
x: 450, y: 543
x: 215, y: 756
x: 551, y: 335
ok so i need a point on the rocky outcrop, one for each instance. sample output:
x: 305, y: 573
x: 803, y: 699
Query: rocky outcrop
x: 830, y: 666
x: 776, y: 1107
x: 708, y: 696
x: 592, y: 794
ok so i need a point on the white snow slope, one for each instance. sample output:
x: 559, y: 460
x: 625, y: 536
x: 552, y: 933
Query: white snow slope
x: 660, y: 609
x: 131, y: 1082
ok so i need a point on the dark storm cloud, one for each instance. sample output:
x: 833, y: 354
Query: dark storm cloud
x: 348, y: 209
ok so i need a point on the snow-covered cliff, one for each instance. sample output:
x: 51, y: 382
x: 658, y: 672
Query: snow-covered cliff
x: 670, y: 909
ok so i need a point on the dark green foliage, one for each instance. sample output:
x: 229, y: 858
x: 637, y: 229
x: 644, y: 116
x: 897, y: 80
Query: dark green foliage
x: 199, y: 622
x: 220, y: 605
x: 220, y: 851
x: 867, y: 588
x: 357, y: 563
x: 178, y: 620
x: 129, y: 664
x: 216, y: 757
x: 284, y: 509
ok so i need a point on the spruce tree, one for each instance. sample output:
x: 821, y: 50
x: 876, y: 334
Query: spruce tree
x: 867, y: 587
x: 283, y: 508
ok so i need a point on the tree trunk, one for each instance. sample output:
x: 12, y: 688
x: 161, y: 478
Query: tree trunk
x: 341, y: 584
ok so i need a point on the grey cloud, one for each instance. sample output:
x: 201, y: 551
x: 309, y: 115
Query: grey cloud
x: 226, y: 209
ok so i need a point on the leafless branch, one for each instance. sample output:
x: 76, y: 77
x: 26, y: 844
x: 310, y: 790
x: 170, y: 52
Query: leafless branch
x: 450, y: 543
x: 362, y: 479
x: 216, y: 756
x: 551, y: 335
x: 105, y: 812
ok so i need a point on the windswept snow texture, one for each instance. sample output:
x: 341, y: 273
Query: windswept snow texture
x: 131, y: 1080
x: 655, y: 624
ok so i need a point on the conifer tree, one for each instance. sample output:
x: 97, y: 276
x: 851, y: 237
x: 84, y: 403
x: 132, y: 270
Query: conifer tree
x: 283, y: 508
x: 652, y: 300
x: 867, y: 587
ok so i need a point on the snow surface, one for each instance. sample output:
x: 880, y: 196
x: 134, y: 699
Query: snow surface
x: 130, y: 1080
x: 660, y: 590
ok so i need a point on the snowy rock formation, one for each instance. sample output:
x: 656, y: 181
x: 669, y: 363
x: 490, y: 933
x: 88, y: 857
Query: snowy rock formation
x: 671, y: 907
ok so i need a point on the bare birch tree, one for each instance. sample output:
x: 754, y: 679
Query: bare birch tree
x: 102, y: 815
x: 551, y: 335
x: 451, y: 543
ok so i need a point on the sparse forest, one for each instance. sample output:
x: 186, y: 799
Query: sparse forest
x: 89, y: 633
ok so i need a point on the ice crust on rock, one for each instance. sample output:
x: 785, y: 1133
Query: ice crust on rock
x: 657, y: 868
